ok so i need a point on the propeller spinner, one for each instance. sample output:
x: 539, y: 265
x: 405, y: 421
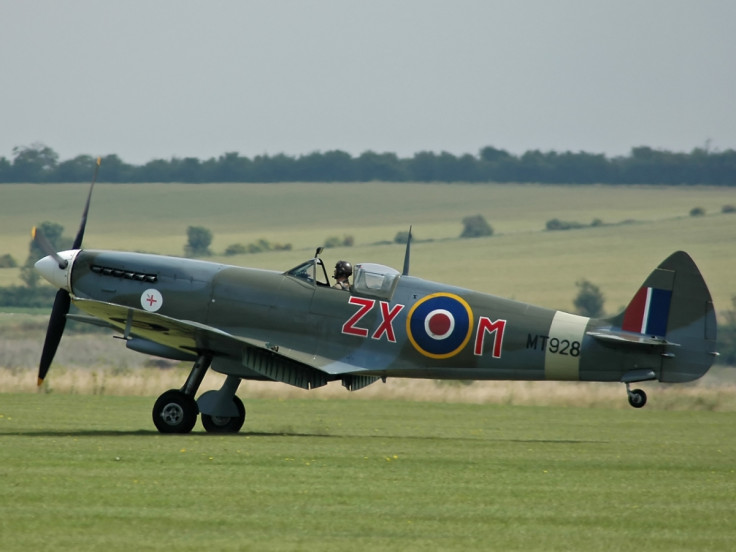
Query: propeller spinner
x: 56, y: 268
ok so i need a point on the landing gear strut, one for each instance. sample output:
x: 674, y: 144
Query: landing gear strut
x: 637, y: 397
x: 222, y: 411
x: 176, y: 411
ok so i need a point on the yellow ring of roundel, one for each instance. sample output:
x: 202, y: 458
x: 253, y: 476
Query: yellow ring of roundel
x: 471, y: 322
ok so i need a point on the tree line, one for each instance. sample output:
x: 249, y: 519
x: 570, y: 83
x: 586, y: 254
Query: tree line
x: 39, y: 163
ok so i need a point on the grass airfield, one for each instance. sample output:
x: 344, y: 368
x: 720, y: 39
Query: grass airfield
x: 83, y: 469
x: 90, y: 473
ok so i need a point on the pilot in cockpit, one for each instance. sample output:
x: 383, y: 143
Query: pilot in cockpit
x: 343, y: 270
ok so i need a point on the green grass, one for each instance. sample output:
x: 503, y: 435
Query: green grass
x: 89, y: 473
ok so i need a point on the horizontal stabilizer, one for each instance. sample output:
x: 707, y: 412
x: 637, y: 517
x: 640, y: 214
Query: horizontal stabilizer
x: 612, y: 336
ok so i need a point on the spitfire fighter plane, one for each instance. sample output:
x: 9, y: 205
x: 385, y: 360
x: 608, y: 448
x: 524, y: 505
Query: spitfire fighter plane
x: 294, y: 327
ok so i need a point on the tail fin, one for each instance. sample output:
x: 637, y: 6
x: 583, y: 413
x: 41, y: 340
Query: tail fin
x: 672, y: 315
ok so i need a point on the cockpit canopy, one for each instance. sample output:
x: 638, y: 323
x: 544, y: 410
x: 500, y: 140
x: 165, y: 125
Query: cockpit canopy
x: 375, y: 280
x: 370, y: 279
x: 312, y: 271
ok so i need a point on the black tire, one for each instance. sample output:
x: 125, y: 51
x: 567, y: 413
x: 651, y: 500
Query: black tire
x: 637, y: 398
x: 175, y: 412
x: 222, y: 424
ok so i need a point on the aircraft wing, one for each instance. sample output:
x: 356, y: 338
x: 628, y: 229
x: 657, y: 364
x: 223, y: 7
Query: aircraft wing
x: 185, y: 336
x: 169, y: 337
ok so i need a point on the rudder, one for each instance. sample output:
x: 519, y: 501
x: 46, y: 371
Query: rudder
x: 674, y: 308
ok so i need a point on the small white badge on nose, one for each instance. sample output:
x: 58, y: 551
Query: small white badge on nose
x: 152, y: 300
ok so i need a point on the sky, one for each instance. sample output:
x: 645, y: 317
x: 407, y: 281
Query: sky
x: 161, y: 79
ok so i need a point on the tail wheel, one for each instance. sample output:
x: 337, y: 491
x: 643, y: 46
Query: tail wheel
x: 637, y: 398
x: 225, y: 424
x: 175, y: 412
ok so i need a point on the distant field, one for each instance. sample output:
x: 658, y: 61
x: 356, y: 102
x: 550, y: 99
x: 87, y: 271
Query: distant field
x: 89, y: 473
x: 520, y: 261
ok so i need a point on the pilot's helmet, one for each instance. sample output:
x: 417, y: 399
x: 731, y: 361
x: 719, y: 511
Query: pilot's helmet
x: 343, y: 268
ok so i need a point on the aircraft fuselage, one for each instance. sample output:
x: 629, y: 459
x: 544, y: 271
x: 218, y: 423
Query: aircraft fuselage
x: 424, y: 330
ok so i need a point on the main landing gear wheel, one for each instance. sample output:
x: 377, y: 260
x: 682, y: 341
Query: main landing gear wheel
x: 175, y: 412
x: 225, y: 424
x: 637, y: 398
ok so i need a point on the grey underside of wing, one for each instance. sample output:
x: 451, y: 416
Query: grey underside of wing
x: 292, y: 367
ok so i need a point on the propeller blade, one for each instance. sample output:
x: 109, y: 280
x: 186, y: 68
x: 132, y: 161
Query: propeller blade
x: 57, y: 322
x: 62, y: 301
x: 80, y: 233
x: 47, y: 248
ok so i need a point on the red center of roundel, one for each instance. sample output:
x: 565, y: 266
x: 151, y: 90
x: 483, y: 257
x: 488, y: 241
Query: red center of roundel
x: 440, y: 324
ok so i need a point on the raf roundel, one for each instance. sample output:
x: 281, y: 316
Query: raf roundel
x: 440, y: 325
x: 152, y: 300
